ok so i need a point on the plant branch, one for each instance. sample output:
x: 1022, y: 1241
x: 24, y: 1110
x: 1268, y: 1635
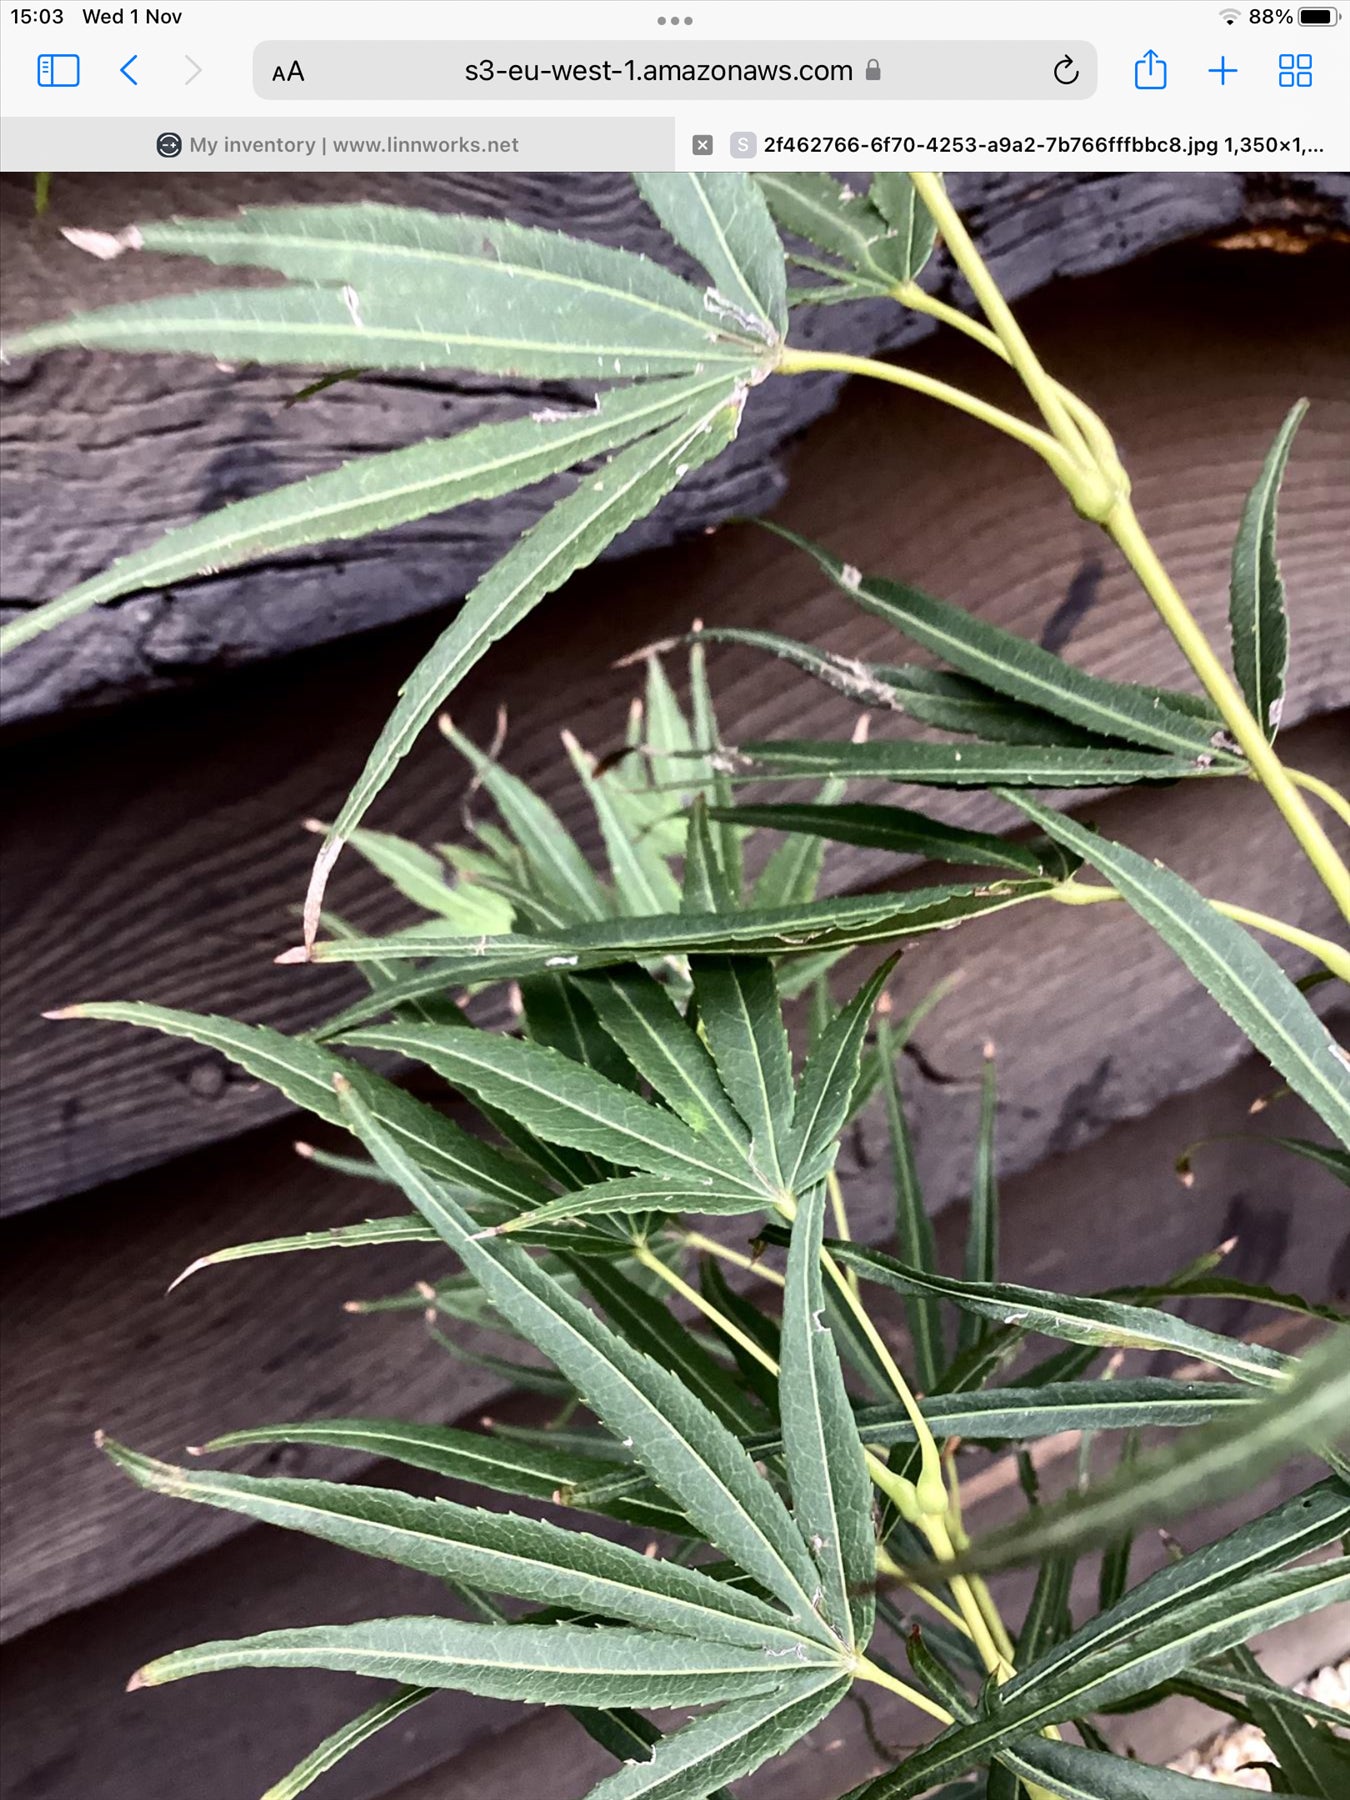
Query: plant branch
x: 649, y: 1260
x: 929, y: 1493
x: 1095, y: 433
x: 1023, y: 358
x: 977, y: 1604
x: 806, y: 362
x: 928, y: 1500
x: 697, y: 1240
x: 1093, y: 477
x: 899, y: 1489
x: 935, y: 1530
x: 840, y: 1211
x: 866, y: 1670
x: 1335, y: 958
x: 888, y: 1566
x: 979, y: 1587
x: 1313, y: 784
x: 1332, y: 955
x: 1127, y: 533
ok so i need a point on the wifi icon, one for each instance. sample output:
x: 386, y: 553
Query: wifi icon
x: 1230, y: 15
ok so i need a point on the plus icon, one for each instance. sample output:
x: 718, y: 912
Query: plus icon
x: 1224, y: 70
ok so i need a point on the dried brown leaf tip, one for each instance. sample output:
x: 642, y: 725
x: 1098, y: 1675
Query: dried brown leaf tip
x: 659, y: 647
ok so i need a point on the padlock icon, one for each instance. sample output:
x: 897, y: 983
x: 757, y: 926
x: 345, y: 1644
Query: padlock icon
x: 874, y: 70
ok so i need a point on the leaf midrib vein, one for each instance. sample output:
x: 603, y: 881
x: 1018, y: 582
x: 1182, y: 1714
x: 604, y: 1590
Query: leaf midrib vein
x: 702, y: 1610
x: 457, y: 259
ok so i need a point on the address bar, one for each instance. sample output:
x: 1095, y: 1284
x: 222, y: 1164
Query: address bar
x: 354, y: 70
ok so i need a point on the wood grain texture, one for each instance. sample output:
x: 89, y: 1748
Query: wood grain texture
x: 223, y: 1739
x: 102, y: 450
x: 94, y: 1341
x: 158, y: 854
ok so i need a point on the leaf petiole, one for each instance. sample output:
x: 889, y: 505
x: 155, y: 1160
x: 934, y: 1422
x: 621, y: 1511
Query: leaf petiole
x: 1329, y: 795
x: 866, y: 1670
x: 807, y: 362
x: 1095, y: 434
x: 840, y: 1213
x: 649, y: 1260
x: 888, y: 1566
x: 1081, y: 893
x: 1091, y: 474
x: 698, y: 1240
x: 930, y: 1492
x: 1023, y: 358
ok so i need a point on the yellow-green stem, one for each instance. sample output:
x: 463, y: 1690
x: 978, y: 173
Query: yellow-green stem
x: 1097, y: 438
x: 1023, y: 358
x: 903, y: 1492
x: 1332, y: 955
x: 1129, y: 536
x: 1109, y: 504
x: 806, y: 362
x: 979, y: 1611
x: 887, y: 1565
x: 994, y: 1645
x: 994, y: 1618
x: 1328, y: 795
x: 931, y: 1488
x: 836, y: 1192
x: 1335, y: 958
x: 979, y: 1587
x: 877, y: 1469
x: 935, y: 1530
x: 866, y: 1670
x: 650, y: 1260
x: 697, y: 1240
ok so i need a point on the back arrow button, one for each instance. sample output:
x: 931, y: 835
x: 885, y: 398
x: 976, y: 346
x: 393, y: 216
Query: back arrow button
x: 126, y: 70
x: 196, y: 70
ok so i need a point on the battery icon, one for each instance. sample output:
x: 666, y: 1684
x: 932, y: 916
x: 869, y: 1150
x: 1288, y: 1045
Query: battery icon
x: 1317, y: 15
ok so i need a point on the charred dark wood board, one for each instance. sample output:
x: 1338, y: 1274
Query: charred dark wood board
x: 158, y: 853
x: 98, y: 1331
x: 103, y: 451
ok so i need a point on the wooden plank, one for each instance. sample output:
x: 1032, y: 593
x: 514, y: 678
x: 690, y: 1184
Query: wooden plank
x: 1095, y: 1217
x: 232, y: 1736
x: 91, y: 435
x: 157, y: 855
x: 92, y: 1341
